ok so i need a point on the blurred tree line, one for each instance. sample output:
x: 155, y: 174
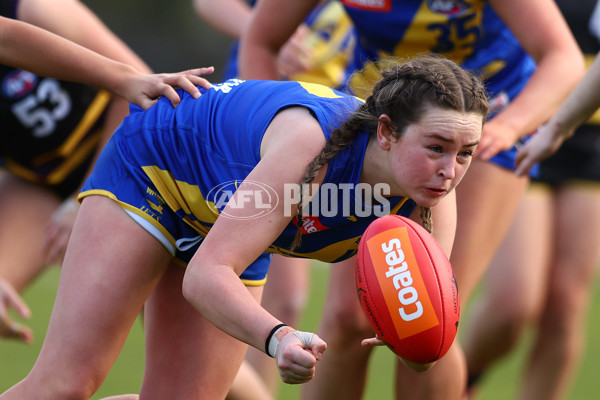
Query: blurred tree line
x: 167, y: 35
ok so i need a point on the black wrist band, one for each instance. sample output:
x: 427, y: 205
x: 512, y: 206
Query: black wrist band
x: 270, y: 336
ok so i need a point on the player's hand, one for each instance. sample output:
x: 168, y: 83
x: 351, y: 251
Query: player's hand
x: 297, y: 355
x: 372, y: 342
x: 144, y: 90
x: 542, y: 145
x: 376, y: 341
x: 496, y: 137
x: 58, y: 231
x: 9, y: 298
x: 295, y: 55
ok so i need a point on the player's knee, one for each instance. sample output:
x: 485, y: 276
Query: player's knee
x: 351, y: 321
x: 516, y: 314
x: 510, y: 332
x: 288, y: 308
x: 567, y: 299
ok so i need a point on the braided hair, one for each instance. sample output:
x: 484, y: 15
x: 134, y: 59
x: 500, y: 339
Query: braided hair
x: 405, y: 91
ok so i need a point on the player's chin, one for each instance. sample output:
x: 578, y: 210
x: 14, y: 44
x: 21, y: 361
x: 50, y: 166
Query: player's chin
x: 429, y: 200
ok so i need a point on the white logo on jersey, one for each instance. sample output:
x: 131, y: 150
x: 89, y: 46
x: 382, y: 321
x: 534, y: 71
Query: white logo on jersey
x: 226, y: 86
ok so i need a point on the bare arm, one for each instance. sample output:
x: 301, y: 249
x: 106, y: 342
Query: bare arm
x: 583, y: 101
x: 544, y: 34
x: 106, y: 63
x: 28, y: 47
x: 265, y: 35
x: 229, y: 17
x: 211, y: 281
x: 73, y: 20
x: 232, y: 17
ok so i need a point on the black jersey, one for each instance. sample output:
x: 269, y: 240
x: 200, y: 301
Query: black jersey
x: 50, y: 128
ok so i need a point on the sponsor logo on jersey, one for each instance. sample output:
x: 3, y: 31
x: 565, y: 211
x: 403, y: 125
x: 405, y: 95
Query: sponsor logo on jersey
x: 18, y: 84
x: 498, y: 103
x: 451, y: 8
x: 311, y: 224
x: 226, y: 86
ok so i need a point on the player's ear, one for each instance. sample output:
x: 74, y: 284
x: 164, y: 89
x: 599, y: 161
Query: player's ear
x: 385, y: 128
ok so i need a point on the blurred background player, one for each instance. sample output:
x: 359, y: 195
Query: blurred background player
x: 9, y: 298
x: 530, y: 62
x: 52, y: 131
x: 37, y: 50
x: 543, y: 272
x: 317, y: 52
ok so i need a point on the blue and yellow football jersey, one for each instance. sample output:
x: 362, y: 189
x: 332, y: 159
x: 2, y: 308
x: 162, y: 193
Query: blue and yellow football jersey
x: 468, y: 32
x: 170, y: 167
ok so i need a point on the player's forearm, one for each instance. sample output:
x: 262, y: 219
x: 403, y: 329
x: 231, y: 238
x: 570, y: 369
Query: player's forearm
x: 229, y: 17
x: 543, y: 94
x: 41, y: 52
x: 221, y: 297
x: 257, y: 61
x: 582, y: 102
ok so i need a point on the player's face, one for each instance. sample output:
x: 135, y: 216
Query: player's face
x: 432, y: 156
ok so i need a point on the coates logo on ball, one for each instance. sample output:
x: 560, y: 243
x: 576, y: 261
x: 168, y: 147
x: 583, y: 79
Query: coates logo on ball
x: 407, y: 289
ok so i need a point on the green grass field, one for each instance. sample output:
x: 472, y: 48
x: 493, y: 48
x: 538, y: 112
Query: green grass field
x: 125, y: 377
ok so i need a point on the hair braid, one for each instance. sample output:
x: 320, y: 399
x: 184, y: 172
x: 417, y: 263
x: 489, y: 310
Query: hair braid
x: 426, y: 218
x: 339, y: 140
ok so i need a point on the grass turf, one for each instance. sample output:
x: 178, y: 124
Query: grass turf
x: 125, y: 377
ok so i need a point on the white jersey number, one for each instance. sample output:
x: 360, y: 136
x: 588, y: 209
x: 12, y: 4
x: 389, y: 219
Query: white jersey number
x: 42, y: 109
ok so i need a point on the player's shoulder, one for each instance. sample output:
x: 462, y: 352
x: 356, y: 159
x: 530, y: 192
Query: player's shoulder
x: 294, y: 128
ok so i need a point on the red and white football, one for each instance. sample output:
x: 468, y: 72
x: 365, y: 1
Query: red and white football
x: 407, y: 289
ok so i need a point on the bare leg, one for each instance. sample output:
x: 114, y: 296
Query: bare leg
x: 514, y: 286
x: 248, y: 385
x: 110, y: 268
x: 560, y: 338
x: 341, y: 374
x: 24, y: 211
x: 446, y: 379
x: 187, y: 357
x: 487, y: 199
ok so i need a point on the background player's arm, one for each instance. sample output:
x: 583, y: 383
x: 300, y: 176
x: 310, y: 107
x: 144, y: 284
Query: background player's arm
x: 232, y: 17
x: 34, y: 49
x: 544, y: 34
x: 583, y: 101
x: 229, y: 17
x: 73, y: 21
x: 265, y: 36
